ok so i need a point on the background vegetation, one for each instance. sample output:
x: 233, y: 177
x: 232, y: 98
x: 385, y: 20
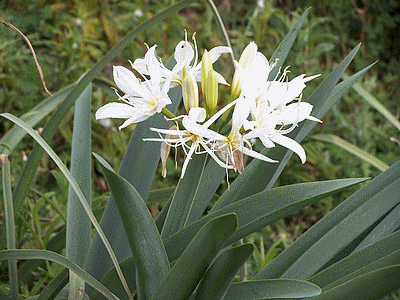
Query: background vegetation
x: 70, y: 36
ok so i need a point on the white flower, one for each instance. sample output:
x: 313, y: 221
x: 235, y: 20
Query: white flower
x: 142, y: 99
x: 266, y: 120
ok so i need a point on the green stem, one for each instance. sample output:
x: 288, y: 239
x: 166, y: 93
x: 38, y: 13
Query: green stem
x: 222, y: 28
x: 167, y: 113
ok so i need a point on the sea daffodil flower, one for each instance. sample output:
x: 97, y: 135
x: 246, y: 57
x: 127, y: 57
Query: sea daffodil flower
x: 142, y: 98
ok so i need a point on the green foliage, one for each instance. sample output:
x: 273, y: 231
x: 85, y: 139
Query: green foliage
x: 194, y: 246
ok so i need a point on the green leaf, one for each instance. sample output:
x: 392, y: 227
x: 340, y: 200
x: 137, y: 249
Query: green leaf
x: 183, y: 196
x: 10, y: 224
x: 344, y: 233
x: 55, y: 257
x: 260, y: 210
x: 151, y: 260
x: 375, y: 103
x: 373, y: 285
x: 271, y: 288
x: 78, y: 225
x: 76, y: 188
x: 358, y: 262
x: 345, y: 145
x: 193, y: 263
x: 284, y: 47
x: 285, y: 259
x: 222, y: 272
x: 34, y: 116
x: 389, y: 224
x: 55, y: 286
x: 259, y: 175
x: 138, y: 167
x: 160, y: 196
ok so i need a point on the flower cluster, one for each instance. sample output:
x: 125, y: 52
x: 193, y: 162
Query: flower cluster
x: 262, y: 108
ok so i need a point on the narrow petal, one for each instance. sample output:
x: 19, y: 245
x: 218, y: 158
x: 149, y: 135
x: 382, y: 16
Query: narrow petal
x: 216, y: 52
x: 290, y: 144
x: 294, y: 113
x: 139, y: 116
x: 115, y: 110
x: 257, y: 155
x: 184, y: 52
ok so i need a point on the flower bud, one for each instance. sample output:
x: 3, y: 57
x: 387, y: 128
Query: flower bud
x: 206, y: 66
x: 190, y: 92
x: 211, y: 95
x: 247, y: 57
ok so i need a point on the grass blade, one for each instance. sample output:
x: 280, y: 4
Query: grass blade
x: 76, y: 188
x: 10, y: 223
x: 55, y: 257
x: 345, y: 145
x: 150, y: 258
x: 55, y: 286
x: 375, y: 103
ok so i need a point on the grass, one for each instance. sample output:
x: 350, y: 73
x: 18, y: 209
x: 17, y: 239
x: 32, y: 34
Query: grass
x: 69, y: 38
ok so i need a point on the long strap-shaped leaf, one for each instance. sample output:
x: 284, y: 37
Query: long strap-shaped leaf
x: 10, y: 224
x: 48, y: 255
x: 260, y: 210
x: 79, y: 229
x: 76, y: 188
x: 222, y: 272
x: 381, y: 254
x: 259, y: 175
x: 344, y: 233
x: 148, y: 251
x: 373, y: 285
x: 284, y: 260
x: 199, y: 254
x: 272, y: 288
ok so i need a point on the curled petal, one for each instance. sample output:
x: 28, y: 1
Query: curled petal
x: 216, y: 52
x: 115, y: 110
x: 290, y: 144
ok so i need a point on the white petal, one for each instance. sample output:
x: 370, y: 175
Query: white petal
x: 115, y: 110
x: 294, y: 113
x: 257, y: 155
x: 128, y: 83
x: 136, y: 118
x: 197, y: 114
x: 216, y: 52
x: 290, y: 144
x: 184, y: 52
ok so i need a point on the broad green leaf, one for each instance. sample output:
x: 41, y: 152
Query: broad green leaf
x: 194, y: 261
x: 222, y: 272
x: 57, y: 258
x: 271, y: 288
x: 10, y: 224
x: 160, y: 196
x: 138, y: 167
x: 79, y: 230
x: 55, y: 286
x: 75, y: 186
x: 183, y: 196
x: 358, y: 261
x: 372, y: 285
x: 389, y: 224
x: 260, y: 210
x: 345, y: 145
x: 259, y: 175
x: 148, y: 250
x: 111, y: 281
x: 285, y: 259
x: 386, y: 261
x: 4, y: 295
x: 284, y: 47
x: 347, y: 230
